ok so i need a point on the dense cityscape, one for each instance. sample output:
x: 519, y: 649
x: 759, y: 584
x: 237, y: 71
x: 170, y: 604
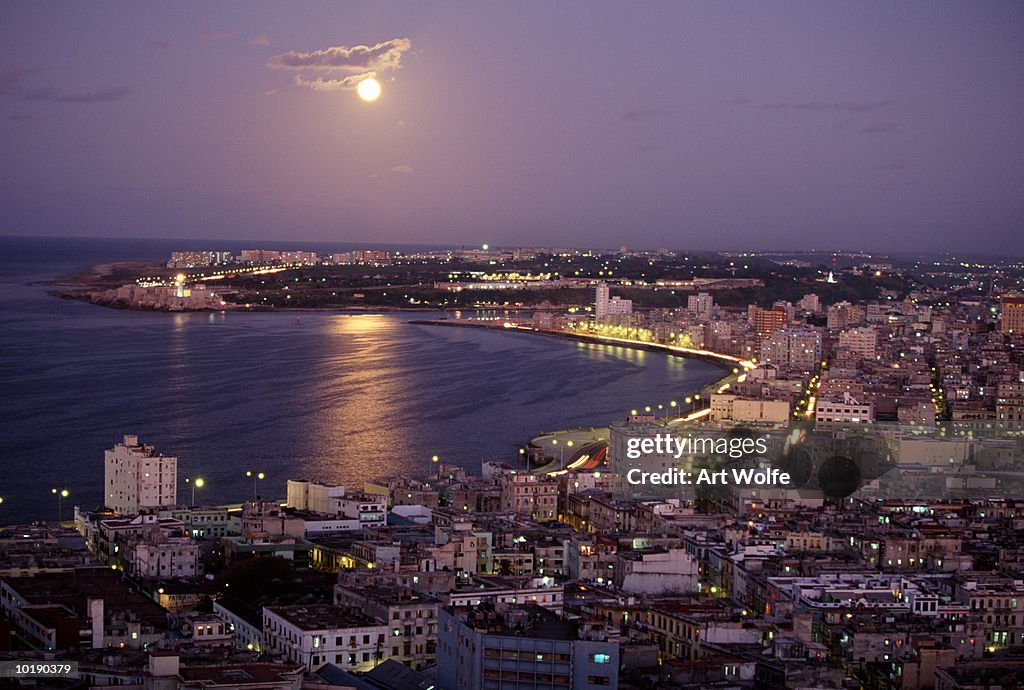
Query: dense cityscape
x: 512, y: 346
x: 889, y: 557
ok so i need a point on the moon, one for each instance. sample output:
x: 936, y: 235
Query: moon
x: 368, y: 89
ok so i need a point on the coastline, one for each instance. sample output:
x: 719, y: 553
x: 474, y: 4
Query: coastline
x: 722, y: 361
x: 95, y: 284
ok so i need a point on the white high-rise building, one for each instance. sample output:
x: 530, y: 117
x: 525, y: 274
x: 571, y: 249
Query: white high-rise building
x: 601, y: 301
x: 614, y: 306
x: 135, y: 477
x: 700, y: 305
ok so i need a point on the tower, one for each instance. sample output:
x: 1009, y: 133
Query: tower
x: 135, y: 477
x: 601, y: 301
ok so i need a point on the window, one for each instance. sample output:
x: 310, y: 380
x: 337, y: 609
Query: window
x: 598, y: 680
x: 601, y: 658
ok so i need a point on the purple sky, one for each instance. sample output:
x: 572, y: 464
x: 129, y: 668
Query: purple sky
x: 887, y: 126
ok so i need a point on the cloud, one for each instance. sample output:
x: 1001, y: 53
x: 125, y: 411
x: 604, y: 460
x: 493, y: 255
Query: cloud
x: 160, y: 45
x: 214, y: 35
x: 343, y: 84
x: 891, y: 167
x: 831, y: 106
x: 880, y: 128
x: 105, y: 95
x: 11, y: 85
x: 9, y: 78
x: 260, y: 40
x: 638, y: 114
x: 403, y: 168
x: 382, y: 56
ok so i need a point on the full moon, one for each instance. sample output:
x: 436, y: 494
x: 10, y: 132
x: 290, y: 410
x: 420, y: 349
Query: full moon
x: 368, y: 89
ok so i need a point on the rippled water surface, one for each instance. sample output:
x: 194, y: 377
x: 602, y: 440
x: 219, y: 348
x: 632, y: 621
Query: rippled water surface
x: 323, y: 395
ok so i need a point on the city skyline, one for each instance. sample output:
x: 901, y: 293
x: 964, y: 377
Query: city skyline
x: 690, y: 127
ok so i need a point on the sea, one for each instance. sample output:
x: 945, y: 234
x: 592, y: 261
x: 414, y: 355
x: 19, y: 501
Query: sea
x: 330, y: 396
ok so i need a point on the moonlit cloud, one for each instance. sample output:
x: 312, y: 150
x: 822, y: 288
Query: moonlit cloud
x: 382, y: 56
x: 343, y: 84
x: 403, y: 168
x: 341, y: 68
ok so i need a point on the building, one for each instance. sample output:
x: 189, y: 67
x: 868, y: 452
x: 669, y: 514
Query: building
x: 259, y: 256
x: 810, y: 302
x: 766, y: 321
x: 318, y: 634
x: 300, y: 257
x: 1013, y: 314
x: 249, y: 676
x: 656, y: 571
x: 843, y: 314
x: 411, y: 615
x: 861, y: 341
x: 199, y: 258
x: 371, y: 257
x: 530, y: 494
x: 312, y: 496
x: 135, y: 477
x: 90, y: 607
x: 700, y: 305
x: 163, y: 557
x: 605, y: 307
x: 792, y: 349
x: 522, y: 646
x: 846, y: 410
x: 757, y: 410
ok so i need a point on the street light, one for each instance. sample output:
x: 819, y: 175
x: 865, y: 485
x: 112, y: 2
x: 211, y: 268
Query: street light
x: 255, y: 476
x: 61, y: 494
x: 199, y: 482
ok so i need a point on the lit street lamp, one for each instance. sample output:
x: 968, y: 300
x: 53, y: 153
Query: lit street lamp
x: 61, y: 494
x: 199, y: 482
x: 255, y: 476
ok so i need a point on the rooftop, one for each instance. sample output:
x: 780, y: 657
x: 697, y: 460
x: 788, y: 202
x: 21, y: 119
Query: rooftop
x: 323, y: 616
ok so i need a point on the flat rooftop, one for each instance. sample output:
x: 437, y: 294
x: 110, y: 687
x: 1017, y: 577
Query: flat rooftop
x: 323, y: 616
